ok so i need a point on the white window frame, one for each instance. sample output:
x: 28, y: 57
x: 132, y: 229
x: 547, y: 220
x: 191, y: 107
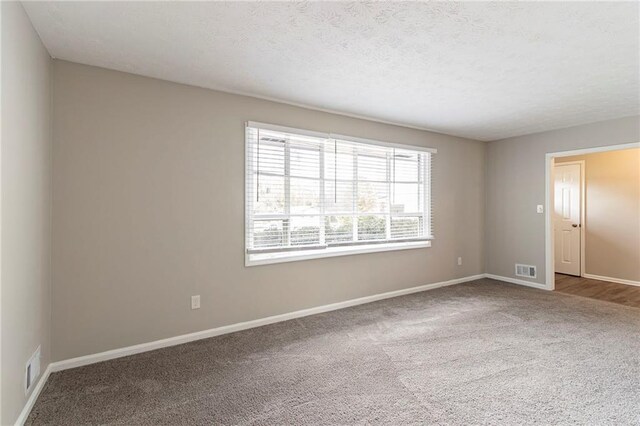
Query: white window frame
x: 254, y: 259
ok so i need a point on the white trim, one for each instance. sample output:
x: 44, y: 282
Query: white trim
x: 549, y: 167
x: 583, y: 151
x: 205, y: 334
x: 246, y: 188
x: 610, y: 279
x: 517, y: 281
x: 548, y: 234
x: 583, y: 217
x: 185, y: 338
x: 26, y: 410
x: 254, y: 259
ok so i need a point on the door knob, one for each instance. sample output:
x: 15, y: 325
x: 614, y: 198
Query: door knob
x: 574, y: 225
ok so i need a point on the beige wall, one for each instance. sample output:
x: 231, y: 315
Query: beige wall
x: 149, y: 210
x: 26, y: 207
x: 515, y: 184
x: 612, y: 213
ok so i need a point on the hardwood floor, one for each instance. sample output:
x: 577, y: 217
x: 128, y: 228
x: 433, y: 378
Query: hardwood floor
x: 602, y: 290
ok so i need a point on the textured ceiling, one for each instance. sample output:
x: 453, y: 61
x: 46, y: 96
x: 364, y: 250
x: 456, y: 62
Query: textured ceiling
x: 481, y: 70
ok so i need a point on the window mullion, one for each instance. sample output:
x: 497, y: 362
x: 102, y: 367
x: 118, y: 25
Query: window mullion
x: 389, y: 199
x: 287, y: 193
x: 322, y: 196
x: 422, y: 178
x: 355, y: 194
x: 420, y: 193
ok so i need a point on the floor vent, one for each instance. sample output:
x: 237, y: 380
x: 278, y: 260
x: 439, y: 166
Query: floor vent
x: 525, y: 271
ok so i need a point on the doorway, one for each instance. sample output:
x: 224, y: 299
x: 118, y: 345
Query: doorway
x: 564, y: 242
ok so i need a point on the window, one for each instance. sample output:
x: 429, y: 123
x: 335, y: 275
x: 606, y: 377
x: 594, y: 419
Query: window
x: 314, y: 195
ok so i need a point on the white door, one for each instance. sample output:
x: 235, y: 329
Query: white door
x: 567, y: 193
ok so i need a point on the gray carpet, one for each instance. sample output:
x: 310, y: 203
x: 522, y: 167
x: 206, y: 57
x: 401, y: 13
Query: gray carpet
x: 477, y: 353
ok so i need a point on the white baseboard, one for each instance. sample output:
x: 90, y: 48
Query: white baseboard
x: 33, y: 397
x: 185, y: 338
x: 612, y: 280
x: 518, y: 281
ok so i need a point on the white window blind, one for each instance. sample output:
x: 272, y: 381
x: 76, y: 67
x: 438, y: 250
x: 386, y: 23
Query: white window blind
x: 312, y: 193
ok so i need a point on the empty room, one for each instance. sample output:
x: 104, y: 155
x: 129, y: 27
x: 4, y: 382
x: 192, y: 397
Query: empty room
x: 320, y: 213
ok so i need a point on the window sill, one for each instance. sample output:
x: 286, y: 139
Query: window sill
x: 268, y: 258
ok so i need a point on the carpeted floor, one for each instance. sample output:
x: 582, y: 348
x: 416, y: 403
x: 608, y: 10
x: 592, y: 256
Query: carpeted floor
x: 477, y: 353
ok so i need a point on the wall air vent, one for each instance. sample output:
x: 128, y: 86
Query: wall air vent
x: 527, y: 271
x: 32, y: 371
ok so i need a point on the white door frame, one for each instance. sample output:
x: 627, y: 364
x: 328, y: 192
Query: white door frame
x: 583, y: 182
x: 548, y: 221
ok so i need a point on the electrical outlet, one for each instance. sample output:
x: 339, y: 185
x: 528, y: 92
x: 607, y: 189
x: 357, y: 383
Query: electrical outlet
x: 195, y: 302
x: 459, y: 261
x: 540, y: 208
